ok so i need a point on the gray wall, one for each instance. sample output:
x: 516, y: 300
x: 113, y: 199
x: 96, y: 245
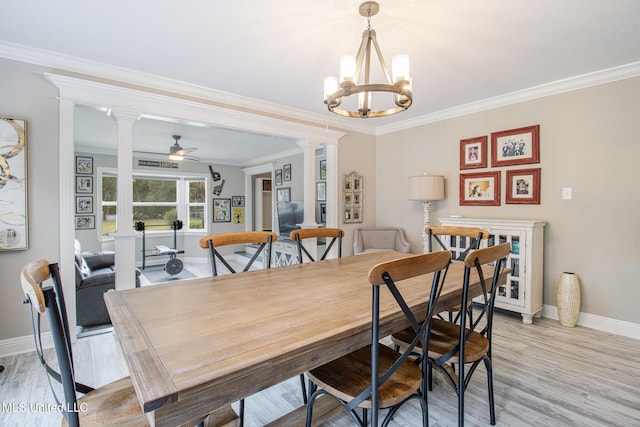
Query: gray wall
x: 25, y: 94
x: 589, y: 140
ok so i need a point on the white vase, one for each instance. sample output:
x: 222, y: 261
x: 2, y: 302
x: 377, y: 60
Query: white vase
x: 568, y: 299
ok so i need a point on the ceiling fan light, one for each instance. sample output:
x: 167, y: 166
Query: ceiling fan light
x: 176, y: 157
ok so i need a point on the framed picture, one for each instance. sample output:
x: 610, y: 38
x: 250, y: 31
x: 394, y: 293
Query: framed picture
x: 323, y: 169
x: 473, y: 153
x: 84, y: 165
x: 84, y: 184
x: 278, y: 176
x: 84, y: 204
x: 516, y: 146
x: 221, y: 210
x: 266, y: 185
x: 238, y: 215
x: 523, y: 187
x: 283, y: 194
x: 323, y: 213
x: 85, y: 222
x: 321, y: 191
x: 286, y: 172
x: 352, y: 198
x: 13, y: 185
x: 480, y: 189
x: 237, y: 201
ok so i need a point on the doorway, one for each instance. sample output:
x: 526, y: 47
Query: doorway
x: 263, y: 203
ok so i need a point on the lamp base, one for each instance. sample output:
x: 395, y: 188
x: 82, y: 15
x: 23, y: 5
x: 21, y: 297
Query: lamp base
x: 426, y: 204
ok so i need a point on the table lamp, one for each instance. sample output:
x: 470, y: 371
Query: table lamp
x: 426, y: 188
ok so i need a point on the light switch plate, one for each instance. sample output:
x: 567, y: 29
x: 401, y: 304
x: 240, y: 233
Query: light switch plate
x: 567, y: 193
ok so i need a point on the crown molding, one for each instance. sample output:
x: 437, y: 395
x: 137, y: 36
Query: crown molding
x: 595, y: 78
x: 74, y: 64
x: 69, y: 63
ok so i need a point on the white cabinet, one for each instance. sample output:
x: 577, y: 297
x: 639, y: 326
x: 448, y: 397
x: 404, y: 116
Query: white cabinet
x: 522, y: 292
x: 284, y: 252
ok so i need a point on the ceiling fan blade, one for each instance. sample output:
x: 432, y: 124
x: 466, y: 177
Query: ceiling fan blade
x: 151, y: 152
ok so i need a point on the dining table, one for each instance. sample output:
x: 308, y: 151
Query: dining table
x: 193, y: 346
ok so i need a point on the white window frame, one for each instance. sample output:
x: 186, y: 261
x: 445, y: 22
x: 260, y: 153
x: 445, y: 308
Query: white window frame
x: 182, y: 203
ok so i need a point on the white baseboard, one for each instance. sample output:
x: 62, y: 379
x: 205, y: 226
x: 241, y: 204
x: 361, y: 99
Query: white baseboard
x: 25, y: 344
x: 601, y: 323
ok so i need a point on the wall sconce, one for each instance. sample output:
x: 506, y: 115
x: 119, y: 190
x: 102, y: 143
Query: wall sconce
x: 426, y: 188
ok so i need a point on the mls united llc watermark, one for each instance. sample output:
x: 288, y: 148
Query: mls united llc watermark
x: 42, y: 407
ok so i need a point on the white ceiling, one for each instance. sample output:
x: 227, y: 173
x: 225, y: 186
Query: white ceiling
x: 279, y: 51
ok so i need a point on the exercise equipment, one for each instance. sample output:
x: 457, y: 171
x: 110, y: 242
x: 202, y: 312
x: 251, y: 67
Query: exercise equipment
x: 174, y: 265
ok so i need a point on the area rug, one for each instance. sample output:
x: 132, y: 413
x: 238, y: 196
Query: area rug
x: 156, y: 274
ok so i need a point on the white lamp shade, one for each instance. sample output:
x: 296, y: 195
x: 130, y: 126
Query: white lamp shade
x: 426, y: 187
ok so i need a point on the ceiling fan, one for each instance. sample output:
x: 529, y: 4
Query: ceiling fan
x: 176, y: 152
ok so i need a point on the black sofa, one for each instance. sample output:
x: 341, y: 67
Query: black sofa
x: 95, y: 275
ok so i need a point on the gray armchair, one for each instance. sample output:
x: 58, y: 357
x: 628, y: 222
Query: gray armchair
x: 379, y: 239
x: 95, y: 275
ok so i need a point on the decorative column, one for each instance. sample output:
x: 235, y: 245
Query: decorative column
x: 309, y: 164
x: 125, y: 236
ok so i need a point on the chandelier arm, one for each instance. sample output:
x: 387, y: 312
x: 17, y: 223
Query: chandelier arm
x: 381, y: 59
x: 333, y: 101
x: 361, y: 54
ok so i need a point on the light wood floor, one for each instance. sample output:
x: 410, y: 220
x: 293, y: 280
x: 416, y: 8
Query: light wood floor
x: 545, y: 375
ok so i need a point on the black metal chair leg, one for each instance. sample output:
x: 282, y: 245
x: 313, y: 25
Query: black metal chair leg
x: 492, y: 409
x: 1, y: 368
x: 304, y: 388
x: 242, y: 413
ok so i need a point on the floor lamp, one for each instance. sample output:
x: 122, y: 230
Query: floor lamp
x: 426, y: 188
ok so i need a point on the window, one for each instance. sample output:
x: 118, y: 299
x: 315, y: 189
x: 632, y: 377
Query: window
x: 157, y: 201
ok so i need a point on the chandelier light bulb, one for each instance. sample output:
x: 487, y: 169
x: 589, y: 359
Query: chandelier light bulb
x: 347, y: 69
x: 400, y: 67
x: 330, y: 86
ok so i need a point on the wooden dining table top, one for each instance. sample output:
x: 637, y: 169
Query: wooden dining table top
x: 193, y: 346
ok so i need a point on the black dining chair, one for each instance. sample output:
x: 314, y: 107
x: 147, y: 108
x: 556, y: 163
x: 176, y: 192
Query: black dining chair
x: 452, y: 343
x: 298, y: 236
x: 377, y: 377
x: 459, y: 241
x: 335, y: 234
x: 264, y: 240
x: 114, y: 404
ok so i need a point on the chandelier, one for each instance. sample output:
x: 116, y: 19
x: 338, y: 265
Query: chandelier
x: 351, y: 69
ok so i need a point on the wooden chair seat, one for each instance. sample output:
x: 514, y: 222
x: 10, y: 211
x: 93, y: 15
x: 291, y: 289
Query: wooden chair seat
x: 349, y: 375
x: 114, y: 404
x: 445, y: 336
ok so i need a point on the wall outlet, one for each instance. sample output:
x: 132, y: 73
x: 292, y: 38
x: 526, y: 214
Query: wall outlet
x: 566, y: 193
